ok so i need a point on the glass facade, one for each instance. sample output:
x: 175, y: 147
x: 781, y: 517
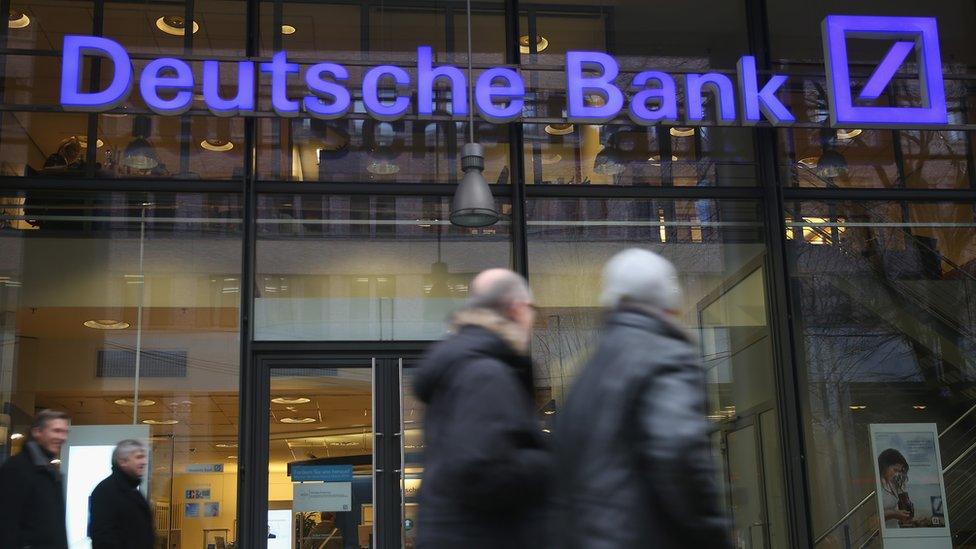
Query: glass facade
x: 250, y: 294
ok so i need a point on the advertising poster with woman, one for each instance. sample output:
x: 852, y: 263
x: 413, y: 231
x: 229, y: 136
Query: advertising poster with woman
x: 910, y: 492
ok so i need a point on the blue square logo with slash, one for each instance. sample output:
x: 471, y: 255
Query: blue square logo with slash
x: 917, y: 35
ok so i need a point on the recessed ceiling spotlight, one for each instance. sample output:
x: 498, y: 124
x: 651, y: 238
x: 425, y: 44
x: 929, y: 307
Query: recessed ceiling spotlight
x: 106, y: 324
x: 217, y: 145
x: 160, y: 421
x: 294, y: 420
x: 288, y: 400
x: 175, y: 25
x: 226, y: 445
x: 17, y: 20
x: 231, y: 457
x: 809, y: 162
x: 560, y: 128
x: 288, y: 29
x: 858, y: 407
x: 849, y: 134
x: 130, y: 402
x: 676, y: 131
x: 541, y: 43
x: 919, y: 407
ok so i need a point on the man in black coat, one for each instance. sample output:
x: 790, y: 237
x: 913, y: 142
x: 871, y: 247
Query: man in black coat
x: 31, y: 489
x: 119, y: 514
x: 486, y: 465
x: 633, y: 462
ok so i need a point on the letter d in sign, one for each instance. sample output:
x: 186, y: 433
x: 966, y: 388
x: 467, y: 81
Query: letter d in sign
x: 75, y: 49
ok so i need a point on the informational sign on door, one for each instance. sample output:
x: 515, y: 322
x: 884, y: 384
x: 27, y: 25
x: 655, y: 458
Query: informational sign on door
x: 310, y: 497
x: 910, y: 489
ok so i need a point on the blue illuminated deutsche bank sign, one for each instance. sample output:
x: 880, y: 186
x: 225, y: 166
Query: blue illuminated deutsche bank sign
x: 167, y: 85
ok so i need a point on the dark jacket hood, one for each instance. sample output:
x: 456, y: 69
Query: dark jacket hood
x: 475, y: 333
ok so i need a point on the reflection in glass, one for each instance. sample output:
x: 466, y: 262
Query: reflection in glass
x: 118, y: 312
x: 366, y: 267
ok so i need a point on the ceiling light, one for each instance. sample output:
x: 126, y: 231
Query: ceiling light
x: 17, y: 19
x: 231, y: 457
x: 83, y: 140
x: 286, y: 400
x: 106, y: 324
x: 858, y: 407
x: 655, y: 159
x: 226, y: 445
x: 541, y: 43
x: 217, y: 145
x: 55, y: 461
x: 552, y: 158
x: 174, y: 25
x: 831, y: 164
x: 160, y: 421
x: 919, y: 406
x: 809, y: 161
x: 130, y: 402
x: 294, y: 420
x: 549, y: 412
x: 547, y: 431
x: 16, y: 436
x: 560, y: 128
x: 473, y: 204
x: 849, y: 134
x: 681, y: 132
x: 288, y: 29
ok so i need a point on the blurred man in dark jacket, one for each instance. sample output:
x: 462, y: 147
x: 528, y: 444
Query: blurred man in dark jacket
x: 120, y: 517
x: 633, y: 464
x: 32, y: 490
x: 486, y: 467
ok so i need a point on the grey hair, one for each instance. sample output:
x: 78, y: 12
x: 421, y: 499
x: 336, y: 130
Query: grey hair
x: 47, y: 416
x: 125, y: 449
x: 500, y: 294
x: 640, y: 277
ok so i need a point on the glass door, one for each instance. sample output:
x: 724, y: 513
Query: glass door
x: 343, y: 444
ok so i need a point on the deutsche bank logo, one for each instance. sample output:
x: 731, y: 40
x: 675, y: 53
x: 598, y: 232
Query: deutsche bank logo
x: 911, y: 34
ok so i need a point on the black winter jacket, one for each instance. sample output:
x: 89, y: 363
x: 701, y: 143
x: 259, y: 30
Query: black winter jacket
x: 486, y: 466
x: 119, y: 514
x: 633, y: 463
x: 31, y: 502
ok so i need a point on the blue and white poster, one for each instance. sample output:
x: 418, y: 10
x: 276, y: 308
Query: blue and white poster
x: 910, y: 490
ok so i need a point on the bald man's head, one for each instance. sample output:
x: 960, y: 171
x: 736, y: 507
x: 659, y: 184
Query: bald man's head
x: 498, y: 289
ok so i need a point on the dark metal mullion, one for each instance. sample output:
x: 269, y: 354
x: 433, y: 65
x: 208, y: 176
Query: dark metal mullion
x: 277, y: 122
x: 252, y: 475
x: 95, y: 76
x: 516, y: 148
x: 186, y: 122
x: 779, y: 313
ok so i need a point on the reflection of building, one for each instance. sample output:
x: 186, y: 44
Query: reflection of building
x: 257, y: 289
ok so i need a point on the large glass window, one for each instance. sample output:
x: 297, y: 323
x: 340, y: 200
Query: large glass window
x: 365, y: 267
x: 122, y: 310
x: 884, y: 318
x: 717, y: 248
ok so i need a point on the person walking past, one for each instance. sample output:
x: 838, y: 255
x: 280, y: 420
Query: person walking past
x: 633, y: 464
x: 486, y: 462
x: 119, y: 514
x: 32, y: 513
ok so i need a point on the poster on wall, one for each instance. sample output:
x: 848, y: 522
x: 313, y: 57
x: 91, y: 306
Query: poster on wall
x: 200, y: 492
x: 191, y: 510
x: 211, y: 509
x: 910, y: 490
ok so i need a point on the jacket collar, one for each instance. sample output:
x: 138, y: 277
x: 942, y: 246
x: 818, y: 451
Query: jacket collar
x: 501, y: 327
x: 37, y: 455
x: 650, y: 319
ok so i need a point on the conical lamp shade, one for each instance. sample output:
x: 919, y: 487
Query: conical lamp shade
x: 473, y: 204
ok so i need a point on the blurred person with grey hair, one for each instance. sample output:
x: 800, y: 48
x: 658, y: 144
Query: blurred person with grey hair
x: 119, y: 515
x: 485, y: 460
x: 632, y: 457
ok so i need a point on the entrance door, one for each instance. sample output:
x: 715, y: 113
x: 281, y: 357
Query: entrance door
x: 753, y: 479
x: 343, y: 452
